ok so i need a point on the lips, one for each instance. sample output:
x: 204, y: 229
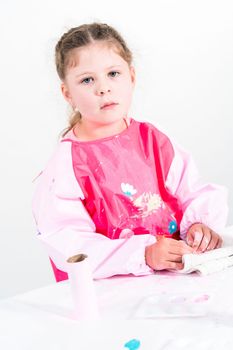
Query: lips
x: 108, y: 104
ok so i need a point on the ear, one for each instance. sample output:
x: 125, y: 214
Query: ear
x: 133, y: 75
x: 66, y: 93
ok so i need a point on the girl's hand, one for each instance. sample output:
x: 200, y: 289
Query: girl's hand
x: 166, y: 253
x: 202, y: 238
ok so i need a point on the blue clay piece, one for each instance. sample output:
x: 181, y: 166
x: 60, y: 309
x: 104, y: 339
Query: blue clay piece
x: 133, y: 344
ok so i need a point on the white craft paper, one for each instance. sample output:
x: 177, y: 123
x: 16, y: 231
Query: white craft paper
x: 208, y: 262
x: 82, y: 288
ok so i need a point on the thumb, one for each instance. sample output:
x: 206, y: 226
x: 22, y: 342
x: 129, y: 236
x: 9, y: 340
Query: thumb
x: 190, y: 238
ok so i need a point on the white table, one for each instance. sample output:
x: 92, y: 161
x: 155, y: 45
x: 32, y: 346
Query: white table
x: 42, y: 318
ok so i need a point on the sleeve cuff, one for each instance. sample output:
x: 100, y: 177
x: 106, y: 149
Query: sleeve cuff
x: 136, y: 263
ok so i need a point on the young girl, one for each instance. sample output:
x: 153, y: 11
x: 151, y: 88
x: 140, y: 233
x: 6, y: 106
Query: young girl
x: 118, y: 189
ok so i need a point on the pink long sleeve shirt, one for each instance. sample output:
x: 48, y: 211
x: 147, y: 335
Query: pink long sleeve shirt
x: 111, y: 197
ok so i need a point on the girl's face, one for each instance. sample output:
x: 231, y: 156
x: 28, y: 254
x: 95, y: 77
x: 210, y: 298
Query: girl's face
x: 101, y: 76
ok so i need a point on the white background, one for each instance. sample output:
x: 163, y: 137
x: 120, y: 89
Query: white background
x: 183, y: 54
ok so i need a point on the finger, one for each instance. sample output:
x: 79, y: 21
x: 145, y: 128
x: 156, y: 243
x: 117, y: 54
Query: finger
x: 177, y: 243
x: 186, y: 248
x: 180, y: 248
x: 198, y: 236
x: 214, y: 241
x: 174, y: 258
x: 170, y: 265
x: 219, y: 243
x: 206, y: 240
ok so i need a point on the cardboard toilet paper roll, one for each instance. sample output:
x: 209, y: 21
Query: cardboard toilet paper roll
x: 82, y: 288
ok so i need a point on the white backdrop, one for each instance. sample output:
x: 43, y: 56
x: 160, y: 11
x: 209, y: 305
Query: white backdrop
x: 183, y: 53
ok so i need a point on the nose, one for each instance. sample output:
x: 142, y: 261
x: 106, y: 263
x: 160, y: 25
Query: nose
x: 102, y: 92
x: 102, y: 89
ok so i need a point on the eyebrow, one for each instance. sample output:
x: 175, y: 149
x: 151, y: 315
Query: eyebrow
x: 117, y: 65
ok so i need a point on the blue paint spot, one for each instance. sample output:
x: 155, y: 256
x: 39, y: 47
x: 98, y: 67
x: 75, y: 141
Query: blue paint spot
x: 128, y: 194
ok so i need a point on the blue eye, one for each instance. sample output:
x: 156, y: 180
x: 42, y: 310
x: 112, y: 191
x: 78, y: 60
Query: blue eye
x: 86, y: 81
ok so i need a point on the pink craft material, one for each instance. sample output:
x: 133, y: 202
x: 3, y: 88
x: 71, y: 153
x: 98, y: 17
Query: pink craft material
x: 82, y: 288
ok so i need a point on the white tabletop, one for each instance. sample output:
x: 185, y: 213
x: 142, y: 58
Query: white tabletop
x: 42, y: 318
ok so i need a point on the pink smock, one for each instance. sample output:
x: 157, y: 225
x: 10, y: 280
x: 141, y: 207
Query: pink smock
x: 122, y: 179
x: 128, y: 187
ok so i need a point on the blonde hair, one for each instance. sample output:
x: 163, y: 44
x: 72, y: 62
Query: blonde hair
x: 80, y: 37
